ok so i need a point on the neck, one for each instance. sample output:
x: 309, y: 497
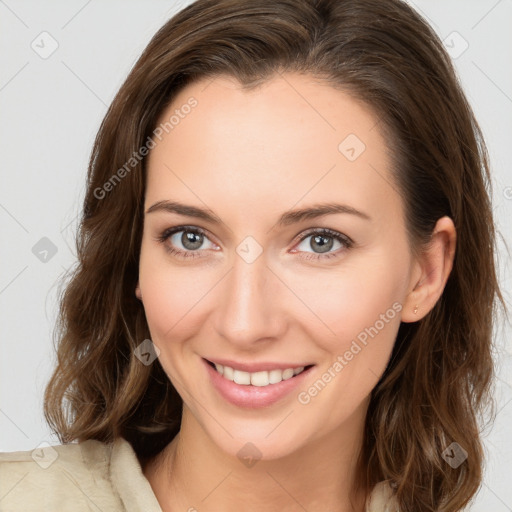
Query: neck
x: 193, y: 474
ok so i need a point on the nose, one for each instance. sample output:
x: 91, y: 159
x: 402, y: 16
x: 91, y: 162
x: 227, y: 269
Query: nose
x: 250, y: 307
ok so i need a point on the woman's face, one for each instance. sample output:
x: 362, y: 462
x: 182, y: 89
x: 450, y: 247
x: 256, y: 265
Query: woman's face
x: 258, y: 287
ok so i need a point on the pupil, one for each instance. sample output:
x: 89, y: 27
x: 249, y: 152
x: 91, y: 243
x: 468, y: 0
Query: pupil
x: 321, y: 241
x: 194, y: 239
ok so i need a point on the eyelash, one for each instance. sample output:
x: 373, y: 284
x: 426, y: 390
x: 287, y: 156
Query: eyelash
x: 343, y: 239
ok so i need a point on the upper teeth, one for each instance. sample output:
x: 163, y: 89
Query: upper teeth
x: 257, y: 378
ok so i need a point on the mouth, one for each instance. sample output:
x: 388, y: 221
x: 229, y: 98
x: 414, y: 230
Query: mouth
x: 261, y: 378
x: 267, y: 386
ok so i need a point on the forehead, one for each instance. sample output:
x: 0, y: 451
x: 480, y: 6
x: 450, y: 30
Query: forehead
x: 291, y: 141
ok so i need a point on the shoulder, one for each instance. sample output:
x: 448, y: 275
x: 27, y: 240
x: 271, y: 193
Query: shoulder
x: 74, y: 476
x: 382, y: 499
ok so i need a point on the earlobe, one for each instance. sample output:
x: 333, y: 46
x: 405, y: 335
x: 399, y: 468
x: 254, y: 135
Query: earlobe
x: 138, y: 293
x: 434, y: 267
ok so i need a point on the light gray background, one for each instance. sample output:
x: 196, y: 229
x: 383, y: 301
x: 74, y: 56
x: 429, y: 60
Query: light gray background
x: 51, y: 109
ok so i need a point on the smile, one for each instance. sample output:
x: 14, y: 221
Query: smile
x: 261, y: 378
x: 267, y: 384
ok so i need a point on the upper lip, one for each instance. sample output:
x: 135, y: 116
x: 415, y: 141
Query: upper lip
x: 256, y: 367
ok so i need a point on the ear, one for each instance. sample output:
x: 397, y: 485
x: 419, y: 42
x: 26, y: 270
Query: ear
x: 138, y: 293
x: 431, y: 271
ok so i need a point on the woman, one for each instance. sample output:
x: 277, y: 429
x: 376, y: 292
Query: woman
x: 285, y: 288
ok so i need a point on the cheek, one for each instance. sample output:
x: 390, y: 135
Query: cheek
x: 362, y: 310
x: 165, y: 292
x: 173, y: 296
x: 361, y: 305
x: 356, y: 298
x: 168, y: 299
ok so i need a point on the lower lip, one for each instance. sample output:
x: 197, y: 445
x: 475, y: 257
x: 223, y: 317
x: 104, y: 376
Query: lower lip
x: 253, y: 397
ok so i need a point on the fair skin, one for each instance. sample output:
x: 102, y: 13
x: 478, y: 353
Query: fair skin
x: 247, y: 157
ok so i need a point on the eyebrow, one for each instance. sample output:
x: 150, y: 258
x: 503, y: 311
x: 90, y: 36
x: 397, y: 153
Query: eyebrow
x: 286, y: 219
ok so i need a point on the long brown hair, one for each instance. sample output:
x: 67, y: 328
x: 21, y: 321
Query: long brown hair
x: 437, y: 385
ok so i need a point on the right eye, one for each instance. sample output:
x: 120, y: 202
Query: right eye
x: 184, y: 241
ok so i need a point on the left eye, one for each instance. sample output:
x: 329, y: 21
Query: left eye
x: 322, y: 241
